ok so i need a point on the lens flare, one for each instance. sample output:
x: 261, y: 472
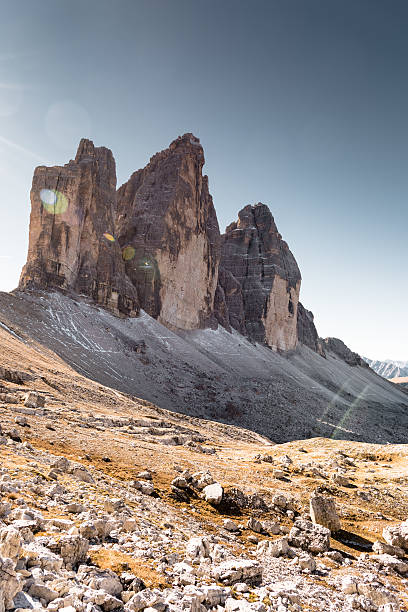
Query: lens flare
x: 128, y: 253
x: 146, y: 263
x: 48, y: 197
x: 147, y: 266
x: 109, y: 237
x: 53, y: 201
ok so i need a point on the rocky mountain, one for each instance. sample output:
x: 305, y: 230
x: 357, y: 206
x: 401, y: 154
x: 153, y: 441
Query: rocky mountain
x: 168, y: 231
x: 260, y: 280
x: 388, y: 369
x: 174, y: 434
x: 70, y: 241
x: 138, y: 290
x: 307, y: 332
x: 155, y: 244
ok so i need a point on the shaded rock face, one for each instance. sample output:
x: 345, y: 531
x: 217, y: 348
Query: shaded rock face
x: 168, y: 231
x: 71, y: 244
x: 306, y: 330
x: 260, y: 280
x: 336, y: 346
x: 229, y: 303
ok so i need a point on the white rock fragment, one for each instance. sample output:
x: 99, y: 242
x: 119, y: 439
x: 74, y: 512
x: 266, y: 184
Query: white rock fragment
x: 198, y: 548
x: 33, y: 400
x: 274, y: 548
x: 310, y: 537
x: 213, y: 493
x: 397, y: 535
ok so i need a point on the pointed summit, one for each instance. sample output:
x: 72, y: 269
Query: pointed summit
x: 166, y: 217
x: 85, y: 151
x: 72, y: 209
x: 264, y: 302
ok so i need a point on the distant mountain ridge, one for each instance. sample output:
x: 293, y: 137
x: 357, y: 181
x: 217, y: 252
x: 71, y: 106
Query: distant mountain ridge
x: 388, y: 368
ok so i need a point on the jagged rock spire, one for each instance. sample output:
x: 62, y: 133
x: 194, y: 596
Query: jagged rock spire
x: 71, y: 241
x: 167, y: 221
x: 264, y: 304
x: 155, y: 244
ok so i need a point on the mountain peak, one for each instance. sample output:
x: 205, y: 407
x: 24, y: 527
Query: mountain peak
x: 155, y: 244
x: 86, y: 150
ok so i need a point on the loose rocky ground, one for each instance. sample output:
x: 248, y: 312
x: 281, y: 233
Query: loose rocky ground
x: 211, y: 374
x: 110, y: 503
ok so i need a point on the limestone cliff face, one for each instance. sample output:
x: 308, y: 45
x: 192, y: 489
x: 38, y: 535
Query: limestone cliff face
x: 260, y: 279
x: 155, y: 244
x: 71, y: 243
x: 168, y: 231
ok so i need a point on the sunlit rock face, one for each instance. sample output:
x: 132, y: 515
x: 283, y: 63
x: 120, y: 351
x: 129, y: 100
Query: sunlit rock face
x: 155, y: 244
x: 260, y: 279
x: 71, y: 241
x: 168, y: 230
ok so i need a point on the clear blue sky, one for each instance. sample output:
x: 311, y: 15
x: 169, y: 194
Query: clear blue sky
x: 300, y: 104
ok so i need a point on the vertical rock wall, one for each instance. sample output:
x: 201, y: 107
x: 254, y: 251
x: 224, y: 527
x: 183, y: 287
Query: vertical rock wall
x: 71, y: 213
x: 167, y: 228
x: 260, y: 279
x: 306, y: 330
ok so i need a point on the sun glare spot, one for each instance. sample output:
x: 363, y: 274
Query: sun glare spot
x: 128, y: 253
x: 53, y: 201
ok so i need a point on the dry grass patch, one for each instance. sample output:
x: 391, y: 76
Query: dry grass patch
x: 119, y: 562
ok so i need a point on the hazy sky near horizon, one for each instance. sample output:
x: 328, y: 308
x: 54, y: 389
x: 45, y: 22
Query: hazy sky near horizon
x: 300, y: 104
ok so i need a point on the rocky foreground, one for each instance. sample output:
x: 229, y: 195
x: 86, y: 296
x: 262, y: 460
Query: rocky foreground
x: 110, y: 503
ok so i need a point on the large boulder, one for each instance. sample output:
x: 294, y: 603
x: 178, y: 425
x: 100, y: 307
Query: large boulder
x: 73, y: 549
x: 308, y: 536
x: 397, y: 535
x: 213, y: 493
x: 273, y: 548
x: 9, y: 584
x: 10, y: 543
x: 323, y: 512
x: 238, y: 570
x: 198, y: 548
x: 100, y: 579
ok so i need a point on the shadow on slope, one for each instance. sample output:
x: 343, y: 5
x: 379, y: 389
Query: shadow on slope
x: 213, y: 374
